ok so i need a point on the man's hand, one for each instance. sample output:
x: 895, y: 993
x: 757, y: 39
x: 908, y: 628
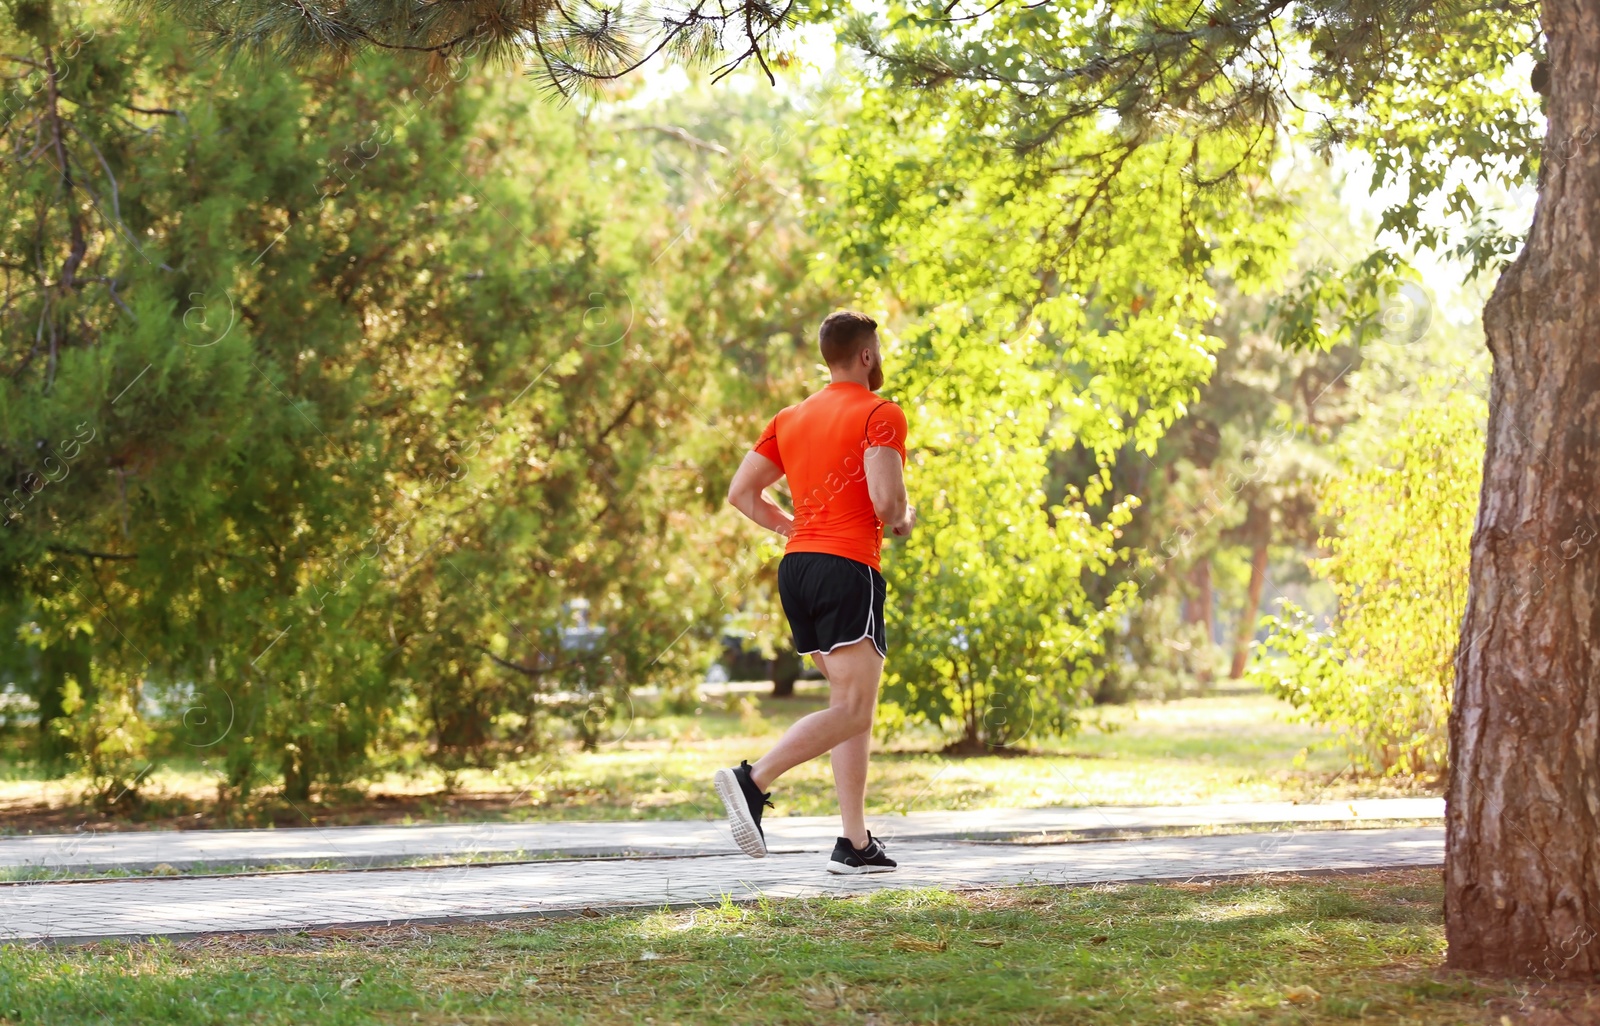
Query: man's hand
x: 903, y: 528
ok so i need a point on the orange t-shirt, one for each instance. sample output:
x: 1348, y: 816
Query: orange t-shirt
x: 819, y: 445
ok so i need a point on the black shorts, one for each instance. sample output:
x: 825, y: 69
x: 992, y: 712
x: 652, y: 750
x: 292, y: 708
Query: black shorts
x: 831, y: 601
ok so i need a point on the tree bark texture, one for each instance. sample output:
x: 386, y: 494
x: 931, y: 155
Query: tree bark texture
x: 1260, y: 524
x: 1199, y: 608
x: 1522, y: 875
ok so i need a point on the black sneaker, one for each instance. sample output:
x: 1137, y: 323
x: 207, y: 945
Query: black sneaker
x: 744, y: 801
x: 849, y: 860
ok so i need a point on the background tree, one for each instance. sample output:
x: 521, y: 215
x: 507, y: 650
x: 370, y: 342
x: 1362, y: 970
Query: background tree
x: 1429, y: 91
x: 1023, y: 344
x: 315, y: 443
x: 1404, y: 503
x: 1424, y: 89
x: 1227, y: 494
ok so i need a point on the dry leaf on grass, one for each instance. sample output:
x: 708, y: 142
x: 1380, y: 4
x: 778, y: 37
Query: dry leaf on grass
x: 984, y: 943
x: 827, y: 994
x: 917, y: 944
x: 1301, y: 995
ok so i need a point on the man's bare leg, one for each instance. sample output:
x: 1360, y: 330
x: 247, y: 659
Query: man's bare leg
x: 849, y: 760
x: 850, y: 781
x: 853, y: 672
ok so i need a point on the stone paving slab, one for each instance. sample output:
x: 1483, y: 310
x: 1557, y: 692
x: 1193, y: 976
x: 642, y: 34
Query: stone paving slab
x: 175, y: 906
x: 378, y: 845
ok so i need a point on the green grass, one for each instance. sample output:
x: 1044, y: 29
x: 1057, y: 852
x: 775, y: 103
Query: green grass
x: 1238, y: 748
x: 1322, y: 950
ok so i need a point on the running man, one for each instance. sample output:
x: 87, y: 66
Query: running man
x: 843, y: 450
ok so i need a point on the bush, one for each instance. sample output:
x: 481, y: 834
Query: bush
x: 107, y: 738
x: 1382, y: 673
x: 993, y: 628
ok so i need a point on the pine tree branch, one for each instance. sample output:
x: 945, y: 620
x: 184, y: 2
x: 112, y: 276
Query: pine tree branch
x: 526, y: 671
x: 71, y: 550
x: 571, y: 42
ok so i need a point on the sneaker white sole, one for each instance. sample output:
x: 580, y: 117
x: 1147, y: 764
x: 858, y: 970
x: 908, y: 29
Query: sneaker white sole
x: 745, y: 832
x: 840, y: 869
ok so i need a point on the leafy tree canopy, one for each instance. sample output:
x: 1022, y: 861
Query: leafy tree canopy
x: 324, y: 401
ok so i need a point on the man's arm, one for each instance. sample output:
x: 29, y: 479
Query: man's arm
x: 886, y: 483
x: 746, y: 492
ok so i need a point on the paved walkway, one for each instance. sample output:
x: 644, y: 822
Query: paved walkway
x: 386, y: 845
x: 177, y: 906
x: 695, y: 864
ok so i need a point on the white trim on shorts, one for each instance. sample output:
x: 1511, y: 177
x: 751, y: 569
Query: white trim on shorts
x: 871, y: 599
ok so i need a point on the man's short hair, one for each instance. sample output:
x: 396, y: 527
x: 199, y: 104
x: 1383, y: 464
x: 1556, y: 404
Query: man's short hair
x: 843, y: 335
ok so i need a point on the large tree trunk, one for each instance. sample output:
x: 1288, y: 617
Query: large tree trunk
x: 1522, y: 874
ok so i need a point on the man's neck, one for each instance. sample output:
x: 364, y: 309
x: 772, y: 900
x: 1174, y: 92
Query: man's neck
x: 840, y: 378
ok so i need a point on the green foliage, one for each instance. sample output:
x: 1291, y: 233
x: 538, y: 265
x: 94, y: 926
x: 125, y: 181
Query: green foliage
x: 1213, y: 749
x: 993, y: 626
x: 1445, y: 114
x: 107, y: 735
x: 1382, y: 673
x: 1047, y: 314
x: 1233, y: 480
x: 358, y: 383
x: 330, y: 395
x: 1437, y: 95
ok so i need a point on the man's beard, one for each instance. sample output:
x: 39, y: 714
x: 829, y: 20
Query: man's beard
x: 875, y: 376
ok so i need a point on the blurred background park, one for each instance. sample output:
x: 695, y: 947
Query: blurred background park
x: 366, y: 433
